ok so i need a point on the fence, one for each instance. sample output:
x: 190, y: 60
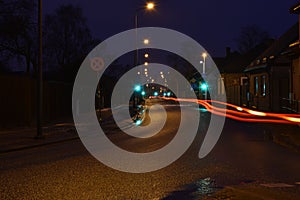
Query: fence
x: 18, y: 100
x: 290, y: 105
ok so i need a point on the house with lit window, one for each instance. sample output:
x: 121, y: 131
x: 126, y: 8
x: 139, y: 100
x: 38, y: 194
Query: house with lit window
x: 269, y: 75
x: 231, y: 74
x: 232, y: 68
x: 294, y: 52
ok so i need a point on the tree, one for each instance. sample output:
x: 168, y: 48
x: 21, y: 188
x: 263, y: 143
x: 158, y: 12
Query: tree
x: 251, y: 36
x: 67, y: 39
x: 18, y: 31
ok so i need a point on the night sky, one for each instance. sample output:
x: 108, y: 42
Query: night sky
x: 215, y: 24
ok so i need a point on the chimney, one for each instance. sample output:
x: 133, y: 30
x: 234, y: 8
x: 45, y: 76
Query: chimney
x: 228, y: 52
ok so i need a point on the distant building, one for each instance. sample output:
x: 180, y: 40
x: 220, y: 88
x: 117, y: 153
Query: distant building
x: 232, y: 73
x: 270, y: 75
x: 295, y: 71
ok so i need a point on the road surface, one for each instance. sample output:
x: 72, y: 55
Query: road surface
x: 243, y: 155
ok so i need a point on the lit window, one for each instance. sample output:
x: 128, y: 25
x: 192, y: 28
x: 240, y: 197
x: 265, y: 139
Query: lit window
x: 256, y: 85
x: 219, y: 86
x: 222, y: 86
x: 263, y: 85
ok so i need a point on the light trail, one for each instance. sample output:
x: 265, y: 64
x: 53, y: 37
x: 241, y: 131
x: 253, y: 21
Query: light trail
x: 241, y: 114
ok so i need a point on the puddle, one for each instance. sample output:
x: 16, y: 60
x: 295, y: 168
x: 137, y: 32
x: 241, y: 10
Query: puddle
x: 196, y: 190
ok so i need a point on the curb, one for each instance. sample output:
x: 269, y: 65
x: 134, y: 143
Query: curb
x: 45, y: 143
x: 24, y: 147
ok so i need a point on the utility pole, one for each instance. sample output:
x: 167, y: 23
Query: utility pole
x: 39, y: 75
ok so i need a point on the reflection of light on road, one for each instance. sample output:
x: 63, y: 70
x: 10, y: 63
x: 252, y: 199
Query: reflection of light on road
x: 138, y: 122
x: 202, y: 109
x: 243, y: 114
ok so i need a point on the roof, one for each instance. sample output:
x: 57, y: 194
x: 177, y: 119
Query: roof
x: 236, y: 62
x: 256, y: 67
x: 295, y: 9
x: 277, y: 48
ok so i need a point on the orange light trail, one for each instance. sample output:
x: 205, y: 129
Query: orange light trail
x: 241, y: 114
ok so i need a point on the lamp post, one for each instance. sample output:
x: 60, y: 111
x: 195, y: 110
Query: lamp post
x: 204, y: 55
x: 39, y: 76
x: 148, y: 6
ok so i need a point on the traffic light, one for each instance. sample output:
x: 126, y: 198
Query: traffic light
x: 155, y: 93
x: 137, y: 88
x: 143, y: 93
x: 203, y: 86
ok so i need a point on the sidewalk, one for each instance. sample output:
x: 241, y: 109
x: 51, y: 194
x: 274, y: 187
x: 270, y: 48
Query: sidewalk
x: 286, y: 135
x: 24, y: 137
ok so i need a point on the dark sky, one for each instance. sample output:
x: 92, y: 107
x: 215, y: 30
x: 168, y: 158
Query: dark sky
x: 213, y: 23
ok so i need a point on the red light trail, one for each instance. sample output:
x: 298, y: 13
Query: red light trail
x: 241, y: 114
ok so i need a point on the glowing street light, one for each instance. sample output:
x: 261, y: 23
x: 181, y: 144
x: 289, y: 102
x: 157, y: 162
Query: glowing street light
x: 146, y: 55
x: 146, y: 41
x: 150, y: 6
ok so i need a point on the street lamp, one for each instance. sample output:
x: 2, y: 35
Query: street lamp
x: 204, y: 55
x: 146, y: 41
x: 149, y: 6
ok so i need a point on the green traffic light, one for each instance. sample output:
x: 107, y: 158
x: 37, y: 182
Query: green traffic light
x: 203, y: 86
x: 137, y: 88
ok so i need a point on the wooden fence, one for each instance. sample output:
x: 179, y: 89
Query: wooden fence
x: 18, y: 100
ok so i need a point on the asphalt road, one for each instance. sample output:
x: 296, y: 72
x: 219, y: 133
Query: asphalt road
x: 66, y: 170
